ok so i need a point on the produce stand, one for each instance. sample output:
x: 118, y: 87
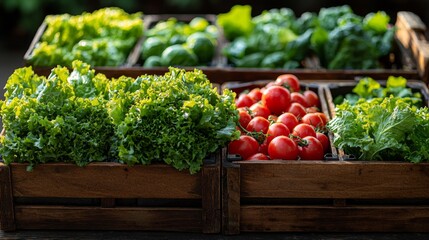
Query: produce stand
x: 228, y: 195
x: 111, y: 196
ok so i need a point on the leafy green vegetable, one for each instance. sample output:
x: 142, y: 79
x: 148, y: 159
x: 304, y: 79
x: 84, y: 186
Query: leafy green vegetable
x: 368, y: 88
x: 82, y: 117
x: 237, y: 22
x: 340, y: 38
x: 102, y: 38
x: 176, y: 118
x: 388, y: 128
x: 273, y: 33
x: 59, y: 118
x: 348, y: 48
x: 328, y: 17
x: 378, y: 22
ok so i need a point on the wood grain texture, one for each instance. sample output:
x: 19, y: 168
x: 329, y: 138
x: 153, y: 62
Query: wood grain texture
x: 410, y: 21
x: 230, y: 198
x: 334, y: 179
x: 89, y: 218
x: 211, y: 199
x: 7, y: 215
x: 420, y: 50
x: 334, y: 219
x: 105, y: 180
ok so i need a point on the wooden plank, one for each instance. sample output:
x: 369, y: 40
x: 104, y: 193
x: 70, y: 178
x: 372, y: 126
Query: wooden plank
x: 333, y: 219
x: 105, y: 180
x: 230, y: 198
x: 333, y: 179
x: 88, y: 218
x: 211, y: 205
x: 7, y: 215
x: 410, y: 21
x: 34, y: 41
x: 420, y: 50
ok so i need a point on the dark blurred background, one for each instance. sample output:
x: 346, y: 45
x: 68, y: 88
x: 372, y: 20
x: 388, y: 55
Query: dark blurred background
x: 19, y: 19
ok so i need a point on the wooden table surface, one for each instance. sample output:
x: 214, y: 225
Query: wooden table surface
x: 91, y: 235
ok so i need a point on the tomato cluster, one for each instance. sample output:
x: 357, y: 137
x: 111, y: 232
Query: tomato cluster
x: 279, y: 121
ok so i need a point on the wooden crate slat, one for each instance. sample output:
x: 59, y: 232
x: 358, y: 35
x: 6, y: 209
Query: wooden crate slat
x: 7, y: 215
x: 105, y: 180
x: 334, y: 179
x: 335, y: 219
x: 90, y: 218
x: 420, y: 50
x: 211, y: 191
x: 410, y: 21
x: 230, y: 198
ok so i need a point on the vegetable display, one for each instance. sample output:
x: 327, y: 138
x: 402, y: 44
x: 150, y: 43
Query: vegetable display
x: 175, y: 43
x: 83, y: 117
x: 383, y: 128
x: 278, y: 39
x: 102, y: 38
x: 280, y: 121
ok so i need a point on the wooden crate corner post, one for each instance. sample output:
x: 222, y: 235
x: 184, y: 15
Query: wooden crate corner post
x: 211, y: 194
x: 7, y: 214
x: 230, y: 198
x: 411, y: 33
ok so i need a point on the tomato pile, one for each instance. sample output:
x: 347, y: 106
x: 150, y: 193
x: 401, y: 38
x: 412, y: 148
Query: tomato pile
x: 279, y: 121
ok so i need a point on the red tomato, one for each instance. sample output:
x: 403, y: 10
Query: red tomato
x: 324, y: 140
x: 282, y: 147
x: 312, y: 150
x: 244, y: 117
x: 314, y: 120
x: 255, y: 94
x: 297, y: 109
x: 298, y: 98
x: 244, y: 100
x: 311, y: 98
x: 258, y: 156
x: 277, y: 129
x: 263, y: 148
x: 323, y: 117
x: 258, y: 124
x: 277, y: 99
x: 260, y: 110
x: 303, y: 130
x: 245, y: 146
x: 290, y: 81
x: 289, y: 120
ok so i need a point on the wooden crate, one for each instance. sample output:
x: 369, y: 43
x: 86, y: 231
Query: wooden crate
x: 111, y: 196
x: 325, y: 196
